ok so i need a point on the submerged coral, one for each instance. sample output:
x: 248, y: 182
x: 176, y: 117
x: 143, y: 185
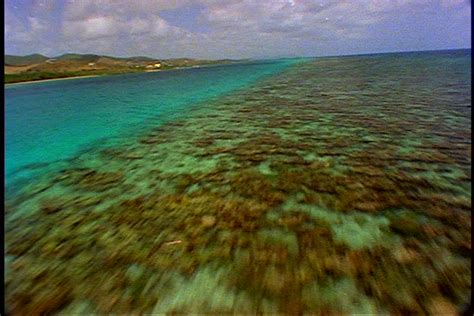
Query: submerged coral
x: 302, y: 194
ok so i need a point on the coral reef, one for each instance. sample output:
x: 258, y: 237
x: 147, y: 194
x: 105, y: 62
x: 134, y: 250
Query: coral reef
x: 302, y: 194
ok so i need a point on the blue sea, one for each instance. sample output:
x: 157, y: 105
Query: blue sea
x: 49, y: 122
x: 326, y: 186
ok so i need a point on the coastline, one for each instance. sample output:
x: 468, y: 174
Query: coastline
x: 90, y: 76
x: 54, y: 79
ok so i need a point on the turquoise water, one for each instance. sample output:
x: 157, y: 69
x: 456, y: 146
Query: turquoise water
x: 336, y: 186
x: 51, y: 121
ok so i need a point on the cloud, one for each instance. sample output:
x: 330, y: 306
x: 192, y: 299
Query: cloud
x: 296, y: 17
x: 91, y: 28
x: 15, y: 30
x: 43, y: 8
x: 138, y: 26
x: 455, y: 3
x: 36, y: 25
x: 233, y: 28
x: 29, y: 30
x: 160, y: 27
x: 82, y: 9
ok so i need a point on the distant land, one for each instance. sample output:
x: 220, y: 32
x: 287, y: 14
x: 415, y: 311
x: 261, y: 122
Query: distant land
x: 38, y: 67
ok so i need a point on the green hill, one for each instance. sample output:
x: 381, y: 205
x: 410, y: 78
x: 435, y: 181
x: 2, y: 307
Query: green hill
x: 69, y: 65
x: 79, y: 57
x: 24, y: 60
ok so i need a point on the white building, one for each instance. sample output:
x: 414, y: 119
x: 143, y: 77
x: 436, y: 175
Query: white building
x: 153, y: 66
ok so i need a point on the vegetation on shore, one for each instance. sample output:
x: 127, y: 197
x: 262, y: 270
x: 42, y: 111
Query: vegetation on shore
x: 37, y: 67
x: 44, y: 75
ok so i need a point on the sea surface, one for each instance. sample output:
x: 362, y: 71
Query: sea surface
x: 50, y: 122
x: 321, y: 185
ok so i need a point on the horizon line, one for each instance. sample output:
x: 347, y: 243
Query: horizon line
x: 255, y: 58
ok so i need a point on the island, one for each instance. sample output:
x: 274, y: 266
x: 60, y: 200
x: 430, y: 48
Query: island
x: 36, y: 67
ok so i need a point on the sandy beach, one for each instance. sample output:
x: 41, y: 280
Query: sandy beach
x: 44, y: 80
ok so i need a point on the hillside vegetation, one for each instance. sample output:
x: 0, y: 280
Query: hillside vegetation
x: 24, y: 60
x: 39, y: 67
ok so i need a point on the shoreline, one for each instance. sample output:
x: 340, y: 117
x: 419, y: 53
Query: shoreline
x: 52, y: 79
x: 91, y: 76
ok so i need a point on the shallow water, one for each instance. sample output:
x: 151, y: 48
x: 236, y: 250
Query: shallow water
x: 340, y: 185
x: 48, y: 122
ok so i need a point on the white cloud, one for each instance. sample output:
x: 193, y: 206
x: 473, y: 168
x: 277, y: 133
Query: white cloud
x: 91, y: 28
x: 36, y: 25
x: 29, y: 30
x: 81, y: 9
x: 160, y: 27
x: 234, y: 28
x: 138, y: 26
x: 42, y: 8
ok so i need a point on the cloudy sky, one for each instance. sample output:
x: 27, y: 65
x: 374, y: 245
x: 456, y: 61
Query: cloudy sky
x: 234, y: 28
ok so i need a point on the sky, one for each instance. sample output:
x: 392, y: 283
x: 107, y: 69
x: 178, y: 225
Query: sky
x: 216, y: 29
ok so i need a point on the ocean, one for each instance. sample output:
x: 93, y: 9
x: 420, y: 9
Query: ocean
x: 48, y: 122
x: 319, y: 185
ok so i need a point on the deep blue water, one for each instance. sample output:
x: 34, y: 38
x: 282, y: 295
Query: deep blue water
x: 51, y: 121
